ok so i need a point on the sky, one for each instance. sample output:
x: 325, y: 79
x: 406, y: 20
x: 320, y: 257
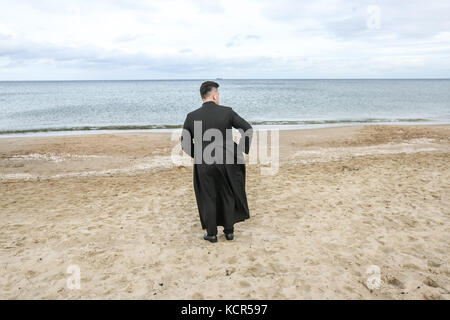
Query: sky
x: 199, y: 39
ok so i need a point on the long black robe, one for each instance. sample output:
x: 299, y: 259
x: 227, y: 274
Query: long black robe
x: 219, y: 186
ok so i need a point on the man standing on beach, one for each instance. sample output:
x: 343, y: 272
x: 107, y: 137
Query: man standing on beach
x: 219, y: 164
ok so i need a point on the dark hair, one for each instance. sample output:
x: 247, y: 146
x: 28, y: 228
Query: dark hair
x: 206, y: 87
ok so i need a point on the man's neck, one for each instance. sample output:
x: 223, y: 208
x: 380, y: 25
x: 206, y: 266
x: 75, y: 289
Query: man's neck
x: 205, y: 101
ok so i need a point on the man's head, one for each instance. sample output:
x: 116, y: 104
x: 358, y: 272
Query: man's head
x: 209, y: 90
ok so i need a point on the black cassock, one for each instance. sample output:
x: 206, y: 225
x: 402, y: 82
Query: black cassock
x: 219, y: 184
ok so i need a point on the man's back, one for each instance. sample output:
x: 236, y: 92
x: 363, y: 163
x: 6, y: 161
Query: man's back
x: 212, y: 115
x: 209, y: 123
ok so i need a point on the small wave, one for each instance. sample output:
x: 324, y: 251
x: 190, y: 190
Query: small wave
x: 93, y: 128
x: 369, y: 120
x: 177, y: 126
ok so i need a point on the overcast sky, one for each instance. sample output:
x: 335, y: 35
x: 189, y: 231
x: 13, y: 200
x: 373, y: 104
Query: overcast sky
x: 137, y: 39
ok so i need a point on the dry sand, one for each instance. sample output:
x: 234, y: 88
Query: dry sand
x: 116, y: 206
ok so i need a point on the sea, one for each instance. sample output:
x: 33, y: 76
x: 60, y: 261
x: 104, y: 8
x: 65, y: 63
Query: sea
x: 30, y: 108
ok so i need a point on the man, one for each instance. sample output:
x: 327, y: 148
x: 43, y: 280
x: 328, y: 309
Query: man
x: 219, y: 165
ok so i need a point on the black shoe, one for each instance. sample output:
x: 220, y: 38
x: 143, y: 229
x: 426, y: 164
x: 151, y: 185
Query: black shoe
x: 229, y: 236
x: 210, y: 238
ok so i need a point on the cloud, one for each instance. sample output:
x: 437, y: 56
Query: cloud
x: 28, y: 53
x: 179, y: 39
x: 239, y: 39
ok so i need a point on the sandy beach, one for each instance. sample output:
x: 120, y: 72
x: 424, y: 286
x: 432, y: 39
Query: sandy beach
x: 344, y: 201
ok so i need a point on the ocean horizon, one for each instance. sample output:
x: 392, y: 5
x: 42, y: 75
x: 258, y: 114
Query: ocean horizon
x: 45, y: 107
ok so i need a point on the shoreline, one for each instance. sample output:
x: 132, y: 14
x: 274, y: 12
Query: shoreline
x: 281, y: 127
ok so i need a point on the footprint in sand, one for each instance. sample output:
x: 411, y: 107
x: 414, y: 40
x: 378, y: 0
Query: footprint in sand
x: 431, y: 283
x: 244, y: 284
x: 395, y: 282
x: 197, y: 296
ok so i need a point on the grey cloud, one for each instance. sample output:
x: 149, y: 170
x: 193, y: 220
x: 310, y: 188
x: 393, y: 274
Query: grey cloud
x: 93, y: 59
x: 239, y: 39
x: 25, y: 53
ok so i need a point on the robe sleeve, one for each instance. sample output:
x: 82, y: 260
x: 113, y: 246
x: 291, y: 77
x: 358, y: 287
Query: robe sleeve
x: 187, y: 143
x: 246, y: 136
